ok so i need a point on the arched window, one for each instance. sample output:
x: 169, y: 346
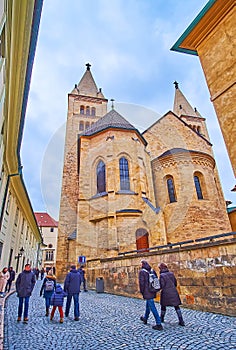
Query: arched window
x: 87, y: 125
x: 171, y: 189
x: 101, y: 177
x: 93, y: 111
x: 81, y: 109
x: 198, y: 187
x: 81, y: 126
x: 142, y: 239
x: 124, y: 174
x: 49, y: 255
x: 199, y: 129
x: 87, y: 110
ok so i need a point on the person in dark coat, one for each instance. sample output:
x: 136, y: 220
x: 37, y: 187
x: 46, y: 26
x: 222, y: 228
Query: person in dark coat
x: 148, y: 295
x: 72, y: 288
x: 10, y: 279
x: 25, y: 283
x: 48, y: 293
x: 57, y: 300
x: 169, y: 293
x: 83, y: 279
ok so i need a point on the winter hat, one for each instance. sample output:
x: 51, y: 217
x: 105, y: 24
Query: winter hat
x: 162, y: 266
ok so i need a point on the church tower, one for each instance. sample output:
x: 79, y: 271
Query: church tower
x: 86, y: 104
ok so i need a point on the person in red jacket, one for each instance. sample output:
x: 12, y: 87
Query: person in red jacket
x: 148, y: 295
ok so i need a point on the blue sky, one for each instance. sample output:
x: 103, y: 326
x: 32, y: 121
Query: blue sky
x: 128, y: 43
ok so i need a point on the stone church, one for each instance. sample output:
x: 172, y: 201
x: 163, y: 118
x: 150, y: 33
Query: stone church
x: 123, y: 190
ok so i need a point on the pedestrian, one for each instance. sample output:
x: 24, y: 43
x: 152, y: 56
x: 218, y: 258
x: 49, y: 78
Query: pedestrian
x: 36, y: 272
x: 10, y: 279
x: 25, y: 283
x: 72, y: 288
x: 47, y: 289
x: 148, y: 295
x: 4, y: 276
x: 42, y: 273
x: 57, y: 300
x: 83, y: 279
x: 169, y: 293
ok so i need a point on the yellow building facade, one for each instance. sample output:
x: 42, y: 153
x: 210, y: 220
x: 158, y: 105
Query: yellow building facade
x: 123, y: 190
x: 20, y: 237
x: 211, y: 36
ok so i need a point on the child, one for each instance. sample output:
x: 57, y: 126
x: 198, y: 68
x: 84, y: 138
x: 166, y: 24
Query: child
x: 57, y: 300
x: 47, y: 289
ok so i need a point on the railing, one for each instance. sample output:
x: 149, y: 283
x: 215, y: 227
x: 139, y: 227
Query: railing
x: 179, y: 244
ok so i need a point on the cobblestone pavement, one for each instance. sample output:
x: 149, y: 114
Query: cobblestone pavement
x: 113, y: 322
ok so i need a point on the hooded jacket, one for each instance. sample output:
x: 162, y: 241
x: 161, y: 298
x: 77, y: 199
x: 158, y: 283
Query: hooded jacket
x: 144, y: 282
x: 58, y: 296
x: 169, y: 293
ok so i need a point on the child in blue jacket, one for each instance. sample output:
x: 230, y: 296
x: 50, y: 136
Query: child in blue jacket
x: 57, y: 300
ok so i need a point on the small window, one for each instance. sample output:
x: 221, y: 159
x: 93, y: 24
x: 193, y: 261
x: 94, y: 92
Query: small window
x: 1, y: 247
x: 87, y: 110
x: 81, y: 109
x: 8, y: 203
x: 49, y: 255
x: 50, y: 245
x: 16, y: 216
x: 81, y: 126
x: 93, y: 111
x: 171, y: 189
x: 101, y: 177
x: 198, y: 187
x: 87, y: 125
x: 52, y: 229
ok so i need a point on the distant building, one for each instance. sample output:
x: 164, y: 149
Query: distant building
x: 124, y: 190
x: 49, y: 230
x: 20, y: 237
x: 211, y: 36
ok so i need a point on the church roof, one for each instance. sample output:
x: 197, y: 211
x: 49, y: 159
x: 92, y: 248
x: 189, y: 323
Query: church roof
x: 181, y: 104
x: 111, y: 120
x: 87, y: 85
x: 180, y: 150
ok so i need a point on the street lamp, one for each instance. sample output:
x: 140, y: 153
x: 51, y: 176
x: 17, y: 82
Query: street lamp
x: 19, y: 255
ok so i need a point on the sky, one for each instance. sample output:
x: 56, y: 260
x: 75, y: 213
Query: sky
x: 128, y: 43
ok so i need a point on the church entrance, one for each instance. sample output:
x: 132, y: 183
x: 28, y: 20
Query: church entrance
x: 142, y: 239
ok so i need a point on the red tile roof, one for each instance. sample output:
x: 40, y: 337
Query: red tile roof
x: 45, y: 220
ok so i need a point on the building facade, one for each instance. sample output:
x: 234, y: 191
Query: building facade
x: 211, y: 36
x: 20, y: 237
x: 125, y: 190
x: 49, y: 231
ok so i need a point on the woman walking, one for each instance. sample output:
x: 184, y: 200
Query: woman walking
x: 169, y: 293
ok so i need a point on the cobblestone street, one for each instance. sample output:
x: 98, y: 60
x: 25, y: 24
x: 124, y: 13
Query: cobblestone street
x: 113, y: 322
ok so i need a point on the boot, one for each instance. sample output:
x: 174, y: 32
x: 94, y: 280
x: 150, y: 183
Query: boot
x: 47, y: 312
x: 162, y: 315
x: 61, y: 320
x: 180, y: 317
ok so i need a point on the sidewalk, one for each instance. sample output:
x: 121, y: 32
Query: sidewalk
x: 111, y: 322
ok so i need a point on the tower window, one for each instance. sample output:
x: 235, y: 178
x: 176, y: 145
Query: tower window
x: 81, y: 109
x: 101, y: 177
x: 87, y: 110
x: 87, y: 125
x: 198, y: 187
x: 124, y: 174
x: 81, y: 126
x: 93, y: 111
x: 171, y: 189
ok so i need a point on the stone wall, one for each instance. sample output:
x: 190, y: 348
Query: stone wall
x: 206, y: 274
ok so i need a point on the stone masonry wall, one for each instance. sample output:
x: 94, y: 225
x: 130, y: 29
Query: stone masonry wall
x: 206, y: 274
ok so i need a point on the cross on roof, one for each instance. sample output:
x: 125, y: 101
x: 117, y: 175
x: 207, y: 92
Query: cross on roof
x: 88, y: 65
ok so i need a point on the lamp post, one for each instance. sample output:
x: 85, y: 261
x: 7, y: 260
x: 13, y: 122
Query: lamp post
x: 18, y: 256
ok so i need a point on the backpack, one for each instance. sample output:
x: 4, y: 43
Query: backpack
x: 49, y: 285
x: 154, y: 283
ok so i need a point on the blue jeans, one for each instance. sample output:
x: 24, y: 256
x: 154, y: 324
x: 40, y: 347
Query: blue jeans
x: 47, y: 302
x: 76, y: 304
x: 150, y: 306
x: 26, y: 306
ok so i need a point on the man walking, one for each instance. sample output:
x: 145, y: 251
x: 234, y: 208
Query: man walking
x: 25, y: 283
x: 72, y: 288
x: 148, y: 295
